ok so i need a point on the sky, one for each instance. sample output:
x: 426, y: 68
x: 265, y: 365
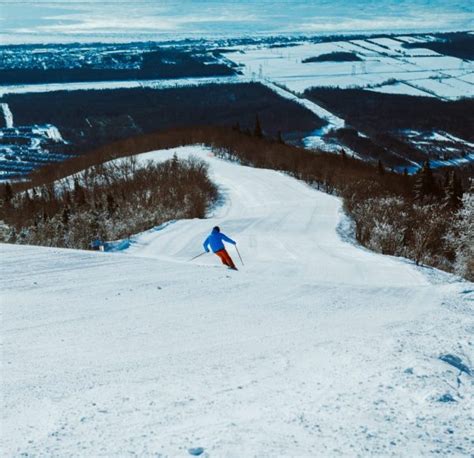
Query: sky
x: 119, y: 20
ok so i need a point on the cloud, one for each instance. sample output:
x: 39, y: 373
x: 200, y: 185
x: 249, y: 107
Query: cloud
x: 130, y: 21
x: 242, y: 17
x: 425, y: 21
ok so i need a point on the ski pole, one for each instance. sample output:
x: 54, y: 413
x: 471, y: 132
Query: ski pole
x: 239, y: 255
x: 195, y: 257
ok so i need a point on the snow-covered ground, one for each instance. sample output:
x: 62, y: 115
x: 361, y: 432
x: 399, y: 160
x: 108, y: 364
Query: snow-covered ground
x: 315, y: 347
x: 7, y: 114
x: 418, y: 71
x: 384, y: 66
x: 101, y: 85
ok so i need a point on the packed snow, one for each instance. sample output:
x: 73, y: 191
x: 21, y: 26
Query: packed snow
x: 315, y: 347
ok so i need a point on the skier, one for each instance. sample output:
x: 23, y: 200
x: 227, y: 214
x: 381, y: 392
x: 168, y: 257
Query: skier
x: 215, y: 240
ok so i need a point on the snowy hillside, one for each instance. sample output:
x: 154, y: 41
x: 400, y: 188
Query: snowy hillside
x: 314, y: 348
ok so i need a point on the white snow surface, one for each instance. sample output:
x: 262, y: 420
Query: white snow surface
x: 8, y: 115
x: 127, y: 84
x: 50, y: 131
x: 316, y: 347
x: 383, y: 59
x: 334, y: 122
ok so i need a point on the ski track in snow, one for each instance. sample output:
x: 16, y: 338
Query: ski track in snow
x: 315, y: 347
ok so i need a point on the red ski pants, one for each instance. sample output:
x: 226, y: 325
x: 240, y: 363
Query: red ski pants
x: 225, y: 258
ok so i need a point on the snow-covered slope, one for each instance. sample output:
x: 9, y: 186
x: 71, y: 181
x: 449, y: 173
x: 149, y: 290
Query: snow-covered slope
x: 314, y: 348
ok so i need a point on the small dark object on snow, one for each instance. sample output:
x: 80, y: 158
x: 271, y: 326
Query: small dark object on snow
x: 97, y: 245
x: 196, y: 451
x: 446, y: 398
x: 456, y: 362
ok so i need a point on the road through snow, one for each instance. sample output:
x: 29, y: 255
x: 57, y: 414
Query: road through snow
x: 314, y: 348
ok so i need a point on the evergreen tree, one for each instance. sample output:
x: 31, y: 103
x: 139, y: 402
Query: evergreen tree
x: 258, y: 128
x: 111, y: 205
x: 94, y: 224
x: 343, y: 155
x: 26, y: 199
x: 44, y: 193
x: 175, y: 161
x: 447, y: 177
x: 453, y: 192
x: 280, y: 138
x: 461, y: 236
x: 425, y: 185
x: 12, y: 236
x: 65, y: 216
x: 8, y: 194
x: 51, y: 192
x: 174, y: 165
x: 67, y: 198
x: 380, y: 168
x: 78, y: 194
x: 28, y: 205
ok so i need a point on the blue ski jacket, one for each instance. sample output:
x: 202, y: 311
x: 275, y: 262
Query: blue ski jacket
x: 215, y: 240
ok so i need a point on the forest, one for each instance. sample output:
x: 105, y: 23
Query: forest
x: 385, y: 119
x: 88, y: 119
x: 334, y: 57
x: 460, y: 44
x: 375, y: 112
x: 107, y: 202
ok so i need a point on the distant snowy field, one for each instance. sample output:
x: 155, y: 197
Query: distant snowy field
x: 385, y: 66
x: 314, y: 348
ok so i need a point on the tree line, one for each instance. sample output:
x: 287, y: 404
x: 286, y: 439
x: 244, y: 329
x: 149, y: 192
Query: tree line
x: 107, y: 202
